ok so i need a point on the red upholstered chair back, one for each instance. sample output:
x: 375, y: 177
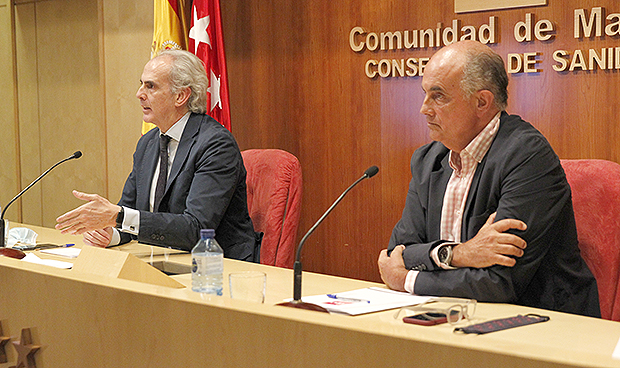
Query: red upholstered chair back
x: 595, y: 186
x: 274, y: 186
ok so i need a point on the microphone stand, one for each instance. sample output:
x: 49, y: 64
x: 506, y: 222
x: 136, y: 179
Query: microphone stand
x: 4, y: 224
x: 297, y: 268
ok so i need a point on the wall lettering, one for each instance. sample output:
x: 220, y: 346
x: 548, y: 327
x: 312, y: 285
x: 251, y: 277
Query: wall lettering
x: 588, y: 25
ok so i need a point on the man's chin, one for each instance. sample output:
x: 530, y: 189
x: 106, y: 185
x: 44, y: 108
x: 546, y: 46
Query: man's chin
x: 433, y: 132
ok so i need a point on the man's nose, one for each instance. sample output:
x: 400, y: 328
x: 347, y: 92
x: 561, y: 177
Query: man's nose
x: 140, y: 93
x: 425, y: 108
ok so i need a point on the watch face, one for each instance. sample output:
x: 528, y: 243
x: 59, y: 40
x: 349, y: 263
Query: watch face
x: 443, y: 254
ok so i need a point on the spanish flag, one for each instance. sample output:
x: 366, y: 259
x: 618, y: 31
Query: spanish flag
x: 170, y: 31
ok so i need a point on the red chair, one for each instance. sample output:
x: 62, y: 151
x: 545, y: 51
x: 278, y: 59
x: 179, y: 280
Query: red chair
x: 595, y: 186
x: 274, y: 186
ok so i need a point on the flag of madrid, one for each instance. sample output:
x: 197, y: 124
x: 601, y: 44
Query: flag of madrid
x: 206, y: 41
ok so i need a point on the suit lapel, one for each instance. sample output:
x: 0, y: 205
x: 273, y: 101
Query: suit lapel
x: 439, y: 180
x: 475, y: 182
x: 145, y: 178
x: 187, y: 141
x: 471, y: 198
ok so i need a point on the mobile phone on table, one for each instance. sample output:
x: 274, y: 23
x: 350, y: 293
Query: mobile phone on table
x: 427, y: 319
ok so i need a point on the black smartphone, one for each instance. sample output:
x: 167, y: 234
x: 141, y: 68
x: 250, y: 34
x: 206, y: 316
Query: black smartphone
x: 426, y: 319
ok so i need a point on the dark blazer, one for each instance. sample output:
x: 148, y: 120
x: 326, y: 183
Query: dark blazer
x: 206, y: 189
x: 520, y: 177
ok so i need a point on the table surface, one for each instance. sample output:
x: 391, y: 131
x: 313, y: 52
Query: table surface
x: 565, y: 340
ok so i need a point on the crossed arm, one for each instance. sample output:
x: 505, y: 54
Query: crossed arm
x: 491, y: 246
x: 500, y: 255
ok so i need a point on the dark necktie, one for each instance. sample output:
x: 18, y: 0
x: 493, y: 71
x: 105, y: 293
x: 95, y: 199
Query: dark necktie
x: 163, y: 171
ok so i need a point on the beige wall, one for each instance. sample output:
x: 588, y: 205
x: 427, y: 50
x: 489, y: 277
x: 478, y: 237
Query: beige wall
x: 126, y: 47
x: 8, y: 149
x: 77, y: 65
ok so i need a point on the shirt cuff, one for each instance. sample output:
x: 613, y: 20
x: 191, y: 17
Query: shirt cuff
x: 116, y: 238
x: 131, y: 222
x: 410, y: 281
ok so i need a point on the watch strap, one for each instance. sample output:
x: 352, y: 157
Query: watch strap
x: 120, y: 217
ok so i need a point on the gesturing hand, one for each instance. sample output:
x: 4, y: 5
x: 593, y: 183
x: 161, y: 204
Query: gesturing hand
x: 491, y: 246
x: 98, y: 238
x: 97, y: 213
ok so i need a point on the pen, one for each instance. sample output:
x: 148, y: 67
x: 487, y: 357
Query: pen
x: 47, y: 246
x: 334, y: 296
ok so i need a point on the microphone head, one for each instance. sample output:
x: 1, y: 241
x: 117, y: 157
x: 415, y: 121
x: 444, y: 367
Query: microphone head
x: 371, y: 171
x: 77, y: 154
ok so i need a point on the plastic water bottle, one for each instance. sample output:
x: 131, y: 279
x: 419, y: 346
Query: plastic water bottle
x: 207, y: 264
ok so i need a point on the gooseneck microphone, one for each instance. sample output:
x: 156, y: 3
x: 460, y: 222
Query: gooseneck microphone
x: 3, y: 223
x: 296, y: 302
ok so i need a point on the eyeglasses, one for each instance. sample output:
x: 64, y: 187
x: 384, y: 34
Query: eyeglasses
x: 457, y: 309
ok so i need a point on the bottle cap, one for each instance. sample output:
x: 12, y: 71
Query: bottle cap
x: 207, y: 233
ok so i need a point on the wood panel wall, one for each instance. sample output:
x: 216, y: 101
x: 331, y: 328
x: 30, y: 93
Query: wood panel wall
x: 70, y: 70
x: 295, y: 84
x: 9, y: 168
x: 60, y: 110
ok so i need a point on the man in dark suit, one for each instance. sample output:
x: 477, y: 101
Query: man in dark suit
x: 488, y: 213
x: 187, y: 174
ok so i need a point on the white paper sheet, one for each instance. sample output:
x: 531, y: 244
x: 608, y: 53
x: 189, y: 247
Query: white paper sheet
x: 63, y: 252
x: 366, y: 300
x: 32, y: 258
x: 616, y: 353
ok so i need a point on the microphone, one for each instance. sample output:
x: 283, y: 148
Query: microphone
x: 296, y: 302
x: 4, y: 226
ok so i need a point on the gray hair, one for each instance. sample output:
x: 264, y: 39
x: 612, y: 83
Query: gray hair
x: 188, y: 71
x: 485, y: 71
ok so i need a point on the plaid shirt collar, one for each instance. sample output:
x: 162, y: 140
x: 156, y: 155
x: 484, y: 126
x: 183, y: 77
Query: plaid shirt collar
x: 476, y: 149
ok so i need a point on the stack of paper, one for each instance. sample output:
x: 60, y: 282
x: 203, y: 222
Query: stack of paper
x: 366, y: 300
x: 32, y: 258
x: 63, y: 252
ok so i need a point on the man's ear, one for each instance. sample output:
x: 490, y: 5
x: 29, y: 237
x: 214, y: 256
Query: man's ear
x: 183, y: 97
x: 485, y: 101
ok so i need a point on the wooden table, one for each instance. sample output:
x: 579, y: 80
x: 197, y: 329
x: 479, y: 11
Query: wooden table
x: 85, y: 320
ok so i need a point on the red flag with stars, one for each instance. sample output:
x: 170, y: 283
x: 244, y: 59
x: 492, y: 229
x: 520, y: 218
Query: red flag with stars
x: 207, y: 42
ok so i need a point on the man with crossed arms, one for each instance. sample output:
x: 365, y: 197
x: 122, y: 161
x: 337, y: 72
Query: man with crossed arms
x: 488, y: 213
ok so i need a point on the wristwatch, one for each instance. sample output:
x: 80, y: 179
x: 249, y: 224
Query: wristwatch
x: 120, y: 217
x: 444, y: 254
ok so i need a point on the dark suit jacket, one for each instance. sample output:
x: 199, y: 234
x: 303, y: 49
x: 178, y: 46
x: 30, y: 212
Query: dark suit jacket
x: 205, y: 190
x: 520, y: 177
